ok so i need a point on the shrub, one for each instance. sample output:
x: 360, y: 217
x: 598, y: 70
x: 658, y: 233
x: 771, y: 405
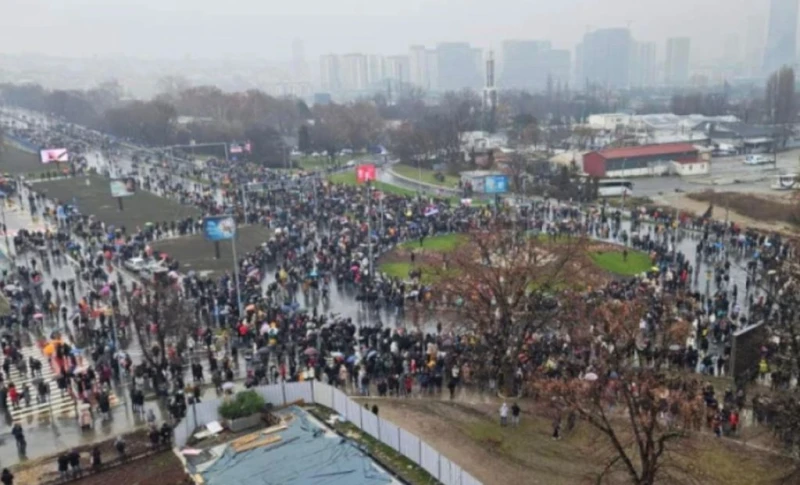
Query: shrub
x: 244, y: 404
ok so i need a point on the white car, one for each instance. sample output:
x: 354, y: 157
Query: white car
x: 135, y: 264
x: 758, y: 159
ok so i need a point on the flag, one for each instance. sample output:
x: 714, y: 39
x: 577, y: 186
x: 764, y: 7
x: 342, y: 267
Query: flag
x: 431, y: 210
x: 248, y: 147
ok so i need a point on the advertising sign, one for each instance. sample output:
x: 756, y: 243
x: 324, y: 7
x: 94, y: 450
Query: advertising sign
x: 365, y: 173
x: 54, y: 155
x: 123, y: 187
x: 219, y: 228
x: 496, y: 184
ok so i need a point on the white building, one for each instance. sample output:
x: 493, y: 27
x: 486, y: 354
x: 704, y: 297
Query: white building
x: 676, y: 64
x: 353, y: 72
x: 375, y: 69
x: 329, y: 73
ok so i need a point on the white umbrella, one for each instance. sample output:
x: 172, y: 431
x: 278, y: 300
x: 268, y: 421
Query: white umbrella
x: 590, y: 376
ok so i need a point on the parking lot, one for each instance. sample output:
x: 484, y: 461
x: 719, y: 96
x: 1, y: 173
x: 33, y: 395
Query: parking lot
x: 92, y: 195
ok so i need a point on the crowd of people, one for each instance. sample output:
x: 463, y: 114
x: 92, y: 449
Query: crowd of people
x: 323, y: 235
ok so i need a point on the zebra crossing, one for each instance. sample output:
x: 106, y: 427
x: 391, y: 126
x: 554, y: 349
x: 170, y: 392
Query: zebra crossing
x: 59, y: 405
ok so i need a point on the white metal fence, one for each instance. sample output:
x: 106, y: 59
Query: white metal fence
x: 397, y: 438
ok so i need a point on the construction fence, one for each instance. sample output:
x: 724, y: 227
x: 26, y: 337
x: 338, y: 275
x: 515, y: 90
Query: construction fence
x: 396, y: 438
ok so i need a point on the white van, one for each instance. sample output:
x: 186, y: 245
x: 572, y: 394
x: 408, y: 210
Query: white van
x: 757, y: 159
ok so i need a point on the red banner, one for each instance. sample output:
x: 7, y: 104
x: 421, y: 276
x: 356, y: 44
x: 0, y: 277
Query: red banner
x: 365, y: 173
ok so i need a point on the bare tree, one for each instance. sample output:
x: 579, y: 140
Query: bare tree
x: 161, y: 316
x: 500, y: 281
x: 616, y: 378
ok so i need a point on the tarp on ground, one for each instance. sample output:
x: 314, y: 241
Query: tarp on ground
x: 305, y: 454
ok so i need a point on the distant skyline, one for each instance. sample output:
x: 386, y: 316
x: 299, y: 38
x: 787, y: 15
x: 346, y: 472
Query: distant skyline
x: 241, y: 29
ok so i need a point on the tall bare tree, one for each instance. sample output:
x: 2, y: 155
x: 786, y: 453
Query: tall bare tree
x: 160, y: 316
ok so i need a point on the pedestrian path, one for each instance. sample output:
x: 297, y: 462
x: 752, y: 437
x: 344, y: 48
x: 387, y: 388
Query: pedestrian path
x: 57, y: 404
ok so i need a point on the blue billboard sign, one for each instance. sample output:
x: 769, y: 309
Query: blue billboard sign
x: 496, y: 184
x: 219, y: 228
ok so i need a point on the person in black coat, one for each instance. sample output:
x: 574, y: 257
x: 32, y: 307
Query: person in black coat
x: 63, y: 466
x: 7, y: 478
x: 75, y: 463
x: 97, y: 460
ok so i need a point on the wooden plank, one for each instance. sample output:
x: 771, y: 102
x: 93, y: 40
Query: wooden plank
x: 274, y: 429
x: 256, y: 444
x: 248, y: 438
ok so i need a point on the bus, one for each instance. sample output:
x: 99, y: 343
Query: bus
x: 787, y: 181
x: 614, y: 188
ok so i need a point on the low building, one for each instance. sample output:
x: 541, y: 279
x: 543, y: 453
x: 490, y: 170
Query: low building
x: 647, y: 160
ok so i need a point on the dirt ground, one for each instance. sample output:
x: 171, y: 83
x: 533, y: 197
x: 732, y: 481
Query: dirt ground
x: 682, y: 202
x: 469, y: 434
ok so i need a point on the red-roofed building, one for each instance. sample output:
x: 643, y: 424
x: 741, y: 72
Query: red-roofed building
x: 639, y: 161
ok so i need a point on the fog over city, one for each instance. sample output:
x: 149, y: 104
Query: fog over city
x: 265, y: 30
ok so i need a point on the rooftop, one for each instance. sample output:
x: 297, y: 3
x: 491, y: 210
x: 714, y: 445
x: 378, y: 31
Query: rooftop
x: 647, y: 150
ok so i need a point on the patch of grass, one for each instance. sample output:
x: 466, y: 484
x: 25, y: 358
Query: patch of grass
x: 5, y: 306
x: 349, y: 178
x: 409, y: 471
x: 20, y: 162
x: 613, y: 261
x: 195, y: 253
x: 425, y: 175
x: 307, y: 162
x: 93, y: 197
x: 443, y: 244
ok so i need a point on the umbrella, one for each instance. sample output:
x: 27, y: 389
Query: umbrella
x: 228, y: 386
x: 38, y: 316
x: 337, y: 355
x: 250, y: 308
x: 105, y: 290
x: 49, y: 349
x: 310, y: 351
x: 590, y: 376
x: 351, y: 359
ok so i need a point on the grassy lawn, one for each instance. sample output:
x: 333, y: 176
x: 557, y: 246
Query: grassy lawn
x: 637, y: 262
x: 16, y: 162
x: 93, y: 197
x: 194, y: 253
x: 442, y: 244
x: 394, y: 461
x: 307, y: 162
x: 425, y: 175
x: 349, y: 178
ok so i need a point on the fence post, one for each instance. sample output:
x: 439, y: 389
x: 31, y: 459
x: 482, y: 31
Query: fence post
x: 283, y: 391
x: 313, y: 385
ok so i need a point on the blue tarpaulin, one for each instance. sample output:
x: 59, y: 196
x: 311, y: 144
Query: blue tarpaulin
x: 304, y: 455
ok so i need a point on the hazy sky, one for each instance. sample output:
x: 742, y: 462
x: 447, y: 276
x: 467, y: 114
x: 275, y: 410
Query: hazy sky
x: 265, y: 29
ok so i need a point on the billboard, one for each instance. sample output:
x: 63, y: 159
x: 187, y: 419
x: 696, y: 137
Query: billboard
x: 219, y: 228
x: 365, y: 173
x: 496, y: 184
x: 125, y: 187
x: 54, y: 155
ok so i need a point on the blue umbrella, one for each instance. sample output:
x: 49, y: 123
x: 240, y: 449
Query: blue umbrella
x: 351, y: 359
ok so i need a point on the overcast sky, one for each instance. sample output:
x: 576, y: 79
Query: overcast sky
x: 265, y: 29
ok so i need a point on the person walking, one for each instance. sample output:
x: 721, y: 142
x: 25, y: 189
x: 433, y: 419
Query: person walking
x: 19, y: 436
x: 515, y: 415
x: 504, y: 414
